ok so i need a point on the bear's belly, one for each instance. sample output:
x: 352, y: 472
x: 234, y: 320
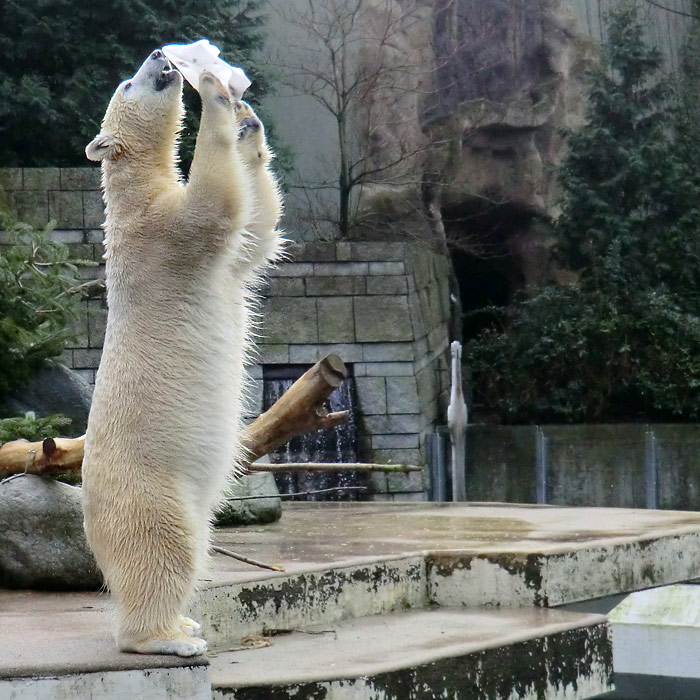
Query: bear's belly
x: 168, y: 391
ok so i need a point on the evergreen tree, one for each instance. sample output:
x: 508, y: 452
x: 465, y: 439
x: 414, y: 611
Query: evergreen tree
x: 60, y: 61
x: 630, y: 190
x: 624, y: 342
x: 37, y: 304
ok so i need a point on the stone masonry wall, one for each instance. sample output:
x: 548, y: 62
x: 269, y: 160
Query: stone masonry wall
x: 382, y: 307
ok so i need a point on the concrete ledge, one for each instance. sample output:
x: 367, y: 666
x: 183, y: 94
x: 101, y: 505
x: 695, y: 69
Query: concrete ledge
x: 185, y: 683
x: 66, y: 633
x: 348, y: 560
x: 456, y: 654
x: 230, y: 613
x: 657, y: 632
x: 59, y: 645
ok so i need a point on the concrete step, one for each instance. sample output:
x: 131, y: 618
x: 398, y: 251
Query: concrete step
x: 59, y: 646
x: 346, y: 561
x: 310, y: 595
x: 426, y: 654
x: 353, y: 560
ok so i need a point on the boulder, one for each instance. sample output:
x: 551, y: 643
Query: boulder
x: 255, y: 511
x: 42, y: 543
x: 54, y: 389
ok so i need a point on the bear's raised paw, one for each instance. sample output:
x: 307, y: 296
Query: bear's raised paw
x: 251, y: 134
x: 211, y: 89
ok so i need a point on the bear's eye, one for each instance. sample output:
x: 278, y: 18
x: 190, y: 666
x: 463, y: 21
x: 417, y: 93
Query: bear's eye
x: 127, y: 86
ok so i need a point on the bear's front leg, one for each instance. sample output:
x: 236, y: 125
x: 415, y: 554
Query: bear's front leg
x: 217, y: 196
x: 265, y: 242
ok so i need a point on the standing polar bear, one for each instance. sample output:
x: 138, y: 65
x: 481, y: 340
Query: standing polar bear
x: 180, y: 261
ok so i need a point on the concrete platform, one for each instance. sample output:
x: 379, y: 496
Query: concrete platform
x: 427, y: 654
x: 348, y: 561
x: 59, y: 645
x: 479, y: 554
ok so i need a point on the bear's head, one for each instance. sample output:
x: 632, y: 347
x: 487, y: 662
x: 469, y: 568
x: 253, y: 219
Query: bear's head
x: 144, y: 115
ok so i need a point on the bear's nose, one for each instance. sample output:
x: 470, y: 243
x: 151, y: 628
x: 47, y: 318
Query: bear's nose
x: 157, y: 54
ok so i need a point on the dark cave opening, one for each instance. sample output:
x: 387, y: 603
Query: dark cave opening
x: 483, y: 241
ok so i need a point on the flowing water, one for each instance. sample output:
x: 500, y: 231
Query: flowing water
x: 336, y: 445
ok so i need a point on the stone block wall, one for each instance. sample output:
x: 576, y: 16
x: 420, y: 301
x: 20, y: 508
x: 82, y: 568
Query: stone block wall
x: 382, y: 307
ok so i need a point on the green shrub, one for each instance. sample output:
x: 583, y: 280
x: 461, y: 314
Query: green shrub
x: 32, y: 428
x: 574, y: 356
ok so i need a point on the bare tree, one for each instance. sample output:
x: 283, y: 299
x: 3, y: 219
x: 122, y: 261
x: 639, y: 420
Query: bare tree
x: 369, y: 64
x: 388, y: 76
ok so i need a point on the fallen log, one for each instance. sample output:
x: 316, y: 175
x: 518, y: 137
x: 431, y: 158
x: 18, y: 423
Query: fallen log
x: 298, y: 411
x: 52, y: 455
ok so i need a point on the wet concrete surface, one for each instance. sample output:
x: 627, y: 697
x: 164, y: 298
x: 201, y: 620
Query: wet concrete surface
x: 366, y: 648
x: 318, y: 534
x: 65, y: 633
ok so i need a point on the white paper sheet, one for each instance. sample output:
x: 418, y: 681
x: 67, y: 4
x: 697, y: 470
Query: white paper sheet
x: 192, y: 59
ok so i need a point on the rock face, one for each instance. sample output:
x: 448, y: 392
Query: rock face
x: 54, y: 389
x: 42, y: 544
x: 508, y: 76
x: 515, y: 78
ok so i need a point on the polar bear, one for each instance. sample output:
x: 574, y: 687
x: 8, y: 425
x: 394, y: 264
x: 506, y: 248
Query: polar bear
x: 181, y: 259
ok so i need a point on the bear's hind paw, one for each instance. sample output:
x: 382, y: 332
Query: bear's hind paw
x: 189, y: 626
x: 180, y: 644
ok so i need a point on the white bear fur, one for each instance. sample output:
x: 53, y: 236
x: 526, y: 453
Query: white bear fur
x: 163, y: 431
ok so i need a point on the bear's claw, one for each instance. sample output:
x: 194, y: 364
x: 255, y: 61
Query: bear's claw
x: 251, y: 124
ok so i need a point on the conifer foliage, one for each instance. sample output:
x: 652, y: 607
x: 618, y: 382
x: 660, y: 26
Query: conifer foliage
x: 60, y: 61
x: 38, y: 307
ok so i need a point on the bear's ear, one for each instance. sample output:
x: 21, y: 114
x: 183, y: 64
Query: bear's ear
x: 102, y: 146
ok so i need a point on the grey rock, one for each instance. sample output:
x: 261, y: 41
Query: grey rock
x: 42, y: 543
x: 502, y: 99
x: 254, y: 511
x: 54, y: 389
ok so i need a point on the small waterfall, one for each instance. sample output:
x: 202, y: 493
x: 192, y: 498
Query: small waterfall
x: 336, y: 445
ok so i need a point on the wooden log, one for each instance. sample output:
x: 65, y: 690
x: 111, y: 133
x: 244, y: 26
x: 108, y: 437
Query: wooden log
x: 300, y: 410
x: 52, y: 455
